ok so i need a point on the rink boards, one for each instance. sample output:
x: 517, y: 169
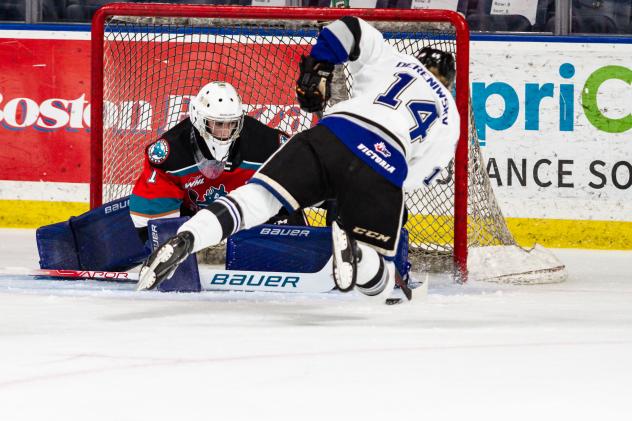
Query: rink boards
x: 560, y: 161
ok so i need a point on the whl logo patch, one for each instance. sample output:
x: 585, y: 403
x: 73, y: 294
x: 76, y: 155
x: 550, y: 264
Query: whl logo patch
x: 381, y: 149
x: 197, y: 181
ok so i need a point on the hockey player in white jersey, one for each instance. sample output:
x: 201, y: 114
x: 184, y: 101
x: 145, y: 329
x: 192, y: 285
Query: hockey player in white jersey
x: 395, y: 133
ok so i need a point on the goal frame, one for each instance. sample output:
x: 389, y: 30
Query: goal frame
x: 459, y: 23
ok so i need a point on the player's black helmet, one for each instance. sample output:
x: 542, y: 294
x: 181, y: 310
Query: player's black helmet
x: 441, y: 60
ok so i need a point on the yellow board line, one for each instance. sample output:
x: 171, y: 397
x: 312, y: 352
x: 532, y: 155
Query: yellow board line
x: 34, y: 213
x: 555, y: 233
x: 561, y: 233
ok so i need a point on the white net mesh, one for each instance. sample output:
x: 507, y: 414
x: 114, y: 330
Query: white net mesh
x: 152, y: 67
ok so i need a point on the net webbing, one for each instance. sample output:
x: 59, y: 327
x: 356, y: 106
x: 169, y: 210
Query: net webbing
x: 153, y: 66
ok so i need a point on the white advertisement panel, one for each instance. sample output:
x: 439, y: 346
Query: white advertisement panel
x: 555, y: 124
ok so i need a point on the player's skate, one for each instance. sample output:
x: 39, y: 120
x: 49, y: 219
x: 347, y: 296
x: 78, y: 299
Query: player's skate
x: 164, y: 261
x: 345, y: 251
x: 380, y: 288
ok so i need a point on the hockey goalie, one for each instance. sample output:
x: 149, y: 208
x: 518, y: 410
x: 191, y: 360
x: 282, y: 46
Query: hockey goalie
x: 202, y: 158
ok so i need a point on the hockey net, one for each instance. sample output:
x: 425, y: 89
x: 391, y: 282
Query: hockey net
x: 149, y: 61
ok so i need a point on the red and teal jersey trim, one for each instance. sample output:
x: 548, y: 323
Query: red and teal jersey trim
x: 171, y: 183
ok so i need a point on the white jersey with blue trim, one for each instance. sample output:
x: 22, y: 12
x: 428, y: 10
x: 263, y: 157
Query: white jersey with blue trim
x: 393, y: 95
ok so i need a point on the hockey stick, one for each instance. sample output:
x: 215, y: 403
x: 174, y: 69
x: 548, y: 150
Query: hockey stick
x: 218, y: 280
x: 418, y: 290
x: 69, y: 274
x: 210, y: 279
x: 404, y: 287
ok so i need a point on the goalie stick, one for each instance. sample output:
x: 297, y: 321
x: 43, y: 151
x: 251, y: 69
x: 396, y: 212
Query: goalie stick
x: 210, y: 279
x: 220, y: 280
x: 415, y: 289
x: 69, y: 274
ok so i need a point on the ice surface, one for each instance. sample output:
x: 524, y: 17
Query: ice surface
x: 479, y: 351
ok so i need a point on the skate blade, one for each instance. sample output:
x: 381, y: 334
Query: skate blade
x: 343, y: 275
x: 147, y: 279
x: 343, y: 271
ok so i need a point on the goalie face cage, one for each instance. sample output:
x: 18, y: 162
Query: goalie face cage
x: 149, y: 59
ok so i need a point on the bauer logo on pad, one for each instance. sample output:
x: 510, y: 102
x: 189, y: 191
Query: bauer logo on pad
x: 285, y: 231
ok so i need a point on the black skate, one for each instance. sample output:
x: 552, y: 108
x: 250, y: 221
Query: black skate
x: 164, y: 261
x: 345, y: 253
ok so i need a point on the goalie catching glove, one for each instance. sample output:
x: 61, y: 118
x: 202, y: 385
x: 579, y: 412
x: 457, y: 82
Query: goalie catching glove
x: 313, y: 87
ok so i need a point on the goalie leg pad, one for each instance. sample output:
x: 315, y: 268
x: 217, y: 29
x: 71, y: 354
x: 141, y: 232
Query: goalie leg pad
x: 103, y: 238
x: 286, y: 248
x: 279, y: 248
x: 163, y: 262
x: 56, y: 247
x: 186, y: 277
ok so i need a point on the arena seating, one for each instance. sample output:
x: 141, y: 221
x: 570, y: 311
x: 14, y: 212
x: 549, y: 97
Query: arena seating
x: 588, y: 16
x: 480, y: 17
x: 12, y: 10
x: 601, y: 16
x: 82, y: 10
x: 499, y: 23
x: 597, y: 17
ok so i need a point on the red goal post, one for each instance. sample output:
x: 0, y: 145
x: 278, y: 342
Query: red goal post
x: 132, y: 41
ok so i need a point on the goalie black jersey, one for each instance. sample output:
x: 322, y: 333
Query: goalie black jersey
x: 171, y: 184
x: 399, y: 119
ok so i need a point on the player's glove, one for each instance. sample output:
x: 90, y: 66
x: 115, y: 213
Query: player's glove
x: 313, y: 87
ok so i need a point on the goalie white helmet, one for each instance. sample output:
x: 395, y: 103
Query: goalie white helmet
x: 217, y: 114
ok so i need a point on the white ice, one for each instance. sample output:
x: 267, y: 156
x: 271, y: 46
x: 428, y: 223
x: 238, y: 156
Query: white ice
x: 479, y: 351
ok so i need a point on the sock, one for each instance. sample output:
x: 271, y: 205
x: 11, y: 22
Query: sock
x: 215, y: 223
x: 372, y: 272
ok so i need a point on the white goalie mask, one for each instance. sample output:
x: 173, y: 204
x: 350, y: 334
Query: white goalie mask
x: 217, y: 114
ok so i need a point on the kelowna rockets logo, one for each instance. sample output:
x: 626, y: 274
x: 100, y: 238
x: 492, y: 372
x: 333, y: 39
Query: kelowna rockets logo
x: 381, y: 149
x: 158, y: 152
x: 212, y: 194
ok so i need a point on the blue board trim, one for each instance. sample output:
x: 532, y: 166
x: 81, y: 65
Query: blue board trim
x: 596, y: 39
x: 77, y: 27
x: 574, y: 39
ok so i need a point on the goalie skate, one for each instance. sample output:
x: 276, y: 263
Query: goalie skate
x: 344, y: 259
x: 164, y: 261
